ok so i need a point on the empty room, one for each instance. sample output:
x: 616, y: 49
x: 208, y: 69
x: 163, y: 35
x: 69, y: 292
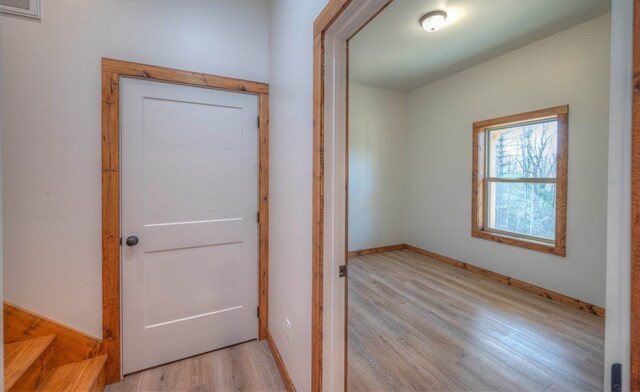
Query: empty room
x: 477, y: 173
x: 320, y: 195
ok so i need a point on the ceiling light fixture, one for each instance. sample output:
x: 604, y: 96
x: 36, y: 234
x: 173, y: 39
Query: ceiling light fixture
x: 433, y: 20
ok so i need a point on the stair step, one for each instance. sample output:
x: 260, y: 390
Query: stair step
x: 26, y: 362
x: 85, y: 375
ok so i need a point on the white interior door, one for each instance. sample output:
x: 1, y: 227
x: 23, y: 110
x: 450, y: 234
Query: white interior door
x: 190, y: 195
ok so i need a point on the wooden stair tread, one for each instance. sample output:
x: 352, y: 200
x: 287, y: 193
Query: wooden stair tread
x: 19, y: 357
x: 85, y: 375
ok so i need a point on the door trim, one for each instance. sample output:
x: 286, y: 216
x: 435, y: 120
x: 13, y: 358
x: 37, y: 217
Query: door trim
x: 112, y: 71
x: 635, y: 208
x: 334, y: 26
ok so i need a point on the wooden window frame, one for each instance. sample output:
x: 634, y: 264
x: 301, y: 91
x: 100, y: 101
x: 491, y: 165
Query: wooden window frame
x: 112, y: 72
x: 334, y: 26
x: 480, y: 181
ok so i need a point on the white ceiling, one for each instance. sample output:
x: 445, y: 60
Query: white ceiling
x: 394, y: 52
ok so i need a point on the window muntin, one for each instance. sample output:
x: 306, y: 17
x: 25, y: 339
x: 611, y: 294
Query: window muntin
x: 521, y: 179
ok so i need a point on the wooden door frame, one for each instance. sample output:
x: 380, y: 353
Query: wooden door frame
x: 335, y: 25
x: 112, y: 72
x: 323, y: 98
x: 635, y: 208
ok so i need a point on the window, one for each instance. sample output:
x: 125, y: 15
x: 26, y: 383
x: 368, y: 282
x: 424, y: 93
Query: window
x: 520, y: 179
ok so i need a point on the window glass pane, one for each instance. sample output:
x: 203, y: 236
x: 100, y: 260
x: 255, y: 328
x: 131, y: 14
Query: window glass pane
x: 523, y: 208
x: 524, y: 151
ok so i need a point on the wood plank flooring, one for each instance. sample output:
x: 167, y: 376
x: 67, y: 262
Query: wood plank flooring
x: 244, y: 367
x: 419, y: 325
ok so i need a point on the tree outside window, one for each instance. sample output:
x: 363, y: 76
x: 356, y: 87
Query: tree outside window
x: 520, y: 179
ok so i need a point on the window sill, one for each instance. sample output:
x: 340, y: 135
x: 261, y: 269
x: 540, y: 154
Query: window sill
x: 554, y: 249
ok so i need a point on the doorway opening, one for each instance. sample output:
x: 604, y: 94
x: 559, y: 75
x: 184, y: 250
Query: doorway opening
x: 113, y: 72
x: 468, y: 299
x: 334, y: 35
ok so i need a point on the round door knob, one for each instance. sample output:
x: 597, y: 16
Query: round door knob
x: 131, y: 241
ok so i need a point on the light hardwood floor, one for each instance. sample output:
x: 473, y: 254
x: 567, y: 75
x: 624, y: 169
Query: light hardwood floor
x: 419, y: 325
x: 245, y: 367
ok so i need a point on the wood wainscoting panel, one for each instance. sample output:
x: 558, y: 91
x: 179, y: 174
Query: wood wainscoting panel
x: 69, y: 346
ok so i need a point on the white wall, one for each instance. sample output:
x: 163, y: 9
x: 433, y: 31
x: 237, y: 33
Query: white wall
x: 291, y: 131
x: 51, y: 127
x: 619, y: 198
x: 377, y: 127
x: 571, y: 67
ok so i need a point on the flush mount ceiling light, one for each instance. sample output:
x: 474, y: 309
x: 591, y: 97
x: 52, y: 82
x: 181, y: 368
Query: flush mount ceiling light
x: 433, y: 20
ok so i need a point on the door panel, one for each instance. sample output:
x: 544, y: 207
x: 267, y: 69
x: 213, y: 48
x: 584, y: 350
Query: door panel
x: 190, y: 193
x: 176, y: 156
x: 214, y: 277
